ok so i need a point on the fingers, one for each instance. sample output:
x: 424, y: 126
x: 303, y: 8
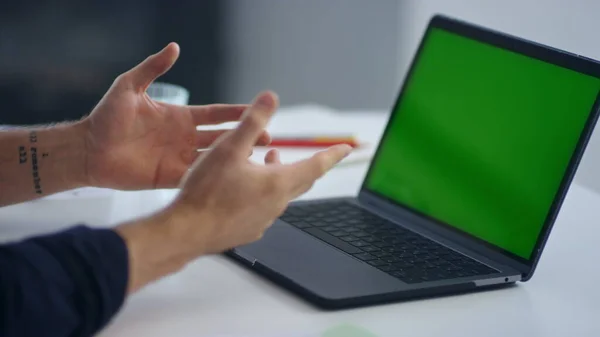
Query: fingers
x: 216, y: 113
x: 200, y: 153
x: 205, y: 138
x: 254, y: 121
x: 304, y: 173
x: 264, y: 139
x: 272, y: 157
x: 142, y: 75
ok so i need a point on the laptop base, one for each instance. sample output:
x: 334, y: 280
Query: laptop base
x: 333, y: 279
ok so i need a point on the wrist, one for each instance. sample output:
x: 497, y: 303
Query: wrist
x: 76, y: 154
x: 60, y: 152
x: 158, y: 246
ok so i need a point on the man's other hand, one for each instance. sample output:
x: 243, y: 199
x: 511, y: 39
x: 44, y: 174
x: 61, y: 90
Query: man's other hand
x: 235, y: 199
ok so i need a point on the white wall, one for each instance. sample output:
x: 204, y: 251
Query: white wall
x: 341, y: 53
x: 572, y: 25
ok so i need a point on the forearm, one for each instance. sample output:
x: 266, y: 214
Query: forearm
x: 35, y: 162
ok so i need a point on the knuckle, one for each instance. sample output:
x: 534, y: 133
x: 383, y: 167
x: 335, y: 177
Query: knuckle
x: 122, y: 79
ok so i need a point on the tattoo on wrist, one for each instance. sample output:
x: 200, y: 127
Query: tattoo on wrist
x: 34, y: 168
x: 22, y: 155
x: 37, y: 181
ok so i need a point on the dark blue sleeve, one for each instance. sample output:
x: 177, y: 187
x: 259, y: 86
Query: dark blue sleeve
x: 69, y: 283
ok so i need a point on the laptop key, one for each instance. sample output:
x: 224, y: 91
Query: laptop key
x: 381, y: 254
x: 391, y: 259
x: 370, y: 249
x: 389, y: 249
x: 365, y: 256
x: 386, y: 268
x: 338, y: 233
x: 301, y: 224
x: 294, y: 211
x: 402, y: 264
x: 361, y: 234
x: 332, y: 240
x: 430, y: 266
x: 359, y: 243
x: 376, y: 263
x: 348, y: 238
x: 370, y: 239
x: 329, y: 228
x: 381, y: 244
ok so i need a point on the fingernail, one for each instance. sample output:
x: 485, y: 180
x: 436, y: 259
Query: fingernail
x: 266, y: 100
x: 167, y: 46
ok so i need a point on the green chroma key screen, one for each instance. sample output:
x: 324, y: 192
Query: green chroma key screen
x: 482, y: 138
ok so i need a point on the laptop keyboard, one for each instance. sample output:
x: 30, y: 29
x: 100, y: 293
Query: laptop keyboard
x: 392, y: 249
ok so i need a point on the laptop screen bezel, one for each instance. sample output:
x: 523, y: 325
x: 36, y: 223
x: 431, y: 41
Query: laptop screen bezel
x: 530, y: 49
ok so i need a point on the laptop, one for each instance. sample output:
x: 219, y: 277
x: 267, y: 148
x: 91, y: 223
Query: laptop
x: 470, y: 173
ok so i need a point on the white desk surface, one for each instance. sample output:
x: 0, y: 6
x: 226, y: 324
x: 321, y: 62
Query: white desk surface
x: 215, y: 297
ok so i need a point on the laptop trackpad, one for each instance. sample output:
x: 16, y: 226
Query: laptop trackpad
x: 317, y: 266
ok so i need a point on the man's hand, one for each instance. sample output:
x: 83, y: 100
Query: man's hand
x: 133, y: 142
x: 236, y: 199
x: 225, y: 201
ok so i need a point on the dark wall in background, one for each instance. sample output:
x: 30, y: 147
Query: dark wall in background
x: 58, y: 58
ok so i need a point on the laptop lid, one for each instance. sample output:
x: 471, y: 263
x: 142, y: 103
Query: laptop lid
x: 485, y: 137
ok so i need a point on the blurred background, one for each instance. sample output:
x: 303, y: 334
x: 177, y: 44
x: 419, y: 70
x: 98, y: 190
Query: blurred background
x: 57, y: 58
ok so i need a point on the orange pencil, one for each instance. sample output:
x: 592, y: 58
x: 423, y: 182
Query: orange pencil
x: 313, y: 142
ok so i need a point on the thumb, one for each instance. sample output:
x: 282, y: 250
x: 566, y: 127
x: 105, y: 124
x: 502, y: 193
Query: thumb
x: 142, y: 75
